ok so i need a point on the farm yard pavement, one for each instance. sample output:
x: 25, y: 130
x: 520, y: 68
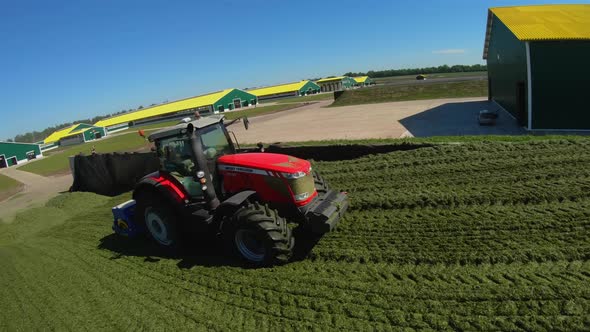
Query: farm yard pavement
x: 37, y: 190
x: 420, y: 118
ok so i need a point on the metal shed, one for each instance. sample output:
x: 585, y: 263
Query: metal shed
x: 537, y: 60
x: 12, y: 154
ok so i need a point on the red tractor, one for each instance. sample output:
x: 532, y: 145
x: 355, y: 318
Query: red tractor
x: 248, y: 198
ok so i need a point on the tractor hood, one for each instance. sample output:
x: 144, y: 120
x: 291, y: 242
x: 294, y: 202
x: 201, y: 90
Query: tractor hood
x: 265, y: 161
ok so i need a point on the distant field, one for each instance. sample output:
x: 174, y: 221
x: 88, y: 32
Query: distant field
x: 390, y: 93
x: 8, y: 187
x: 385, y: 80
x: 316, y: 97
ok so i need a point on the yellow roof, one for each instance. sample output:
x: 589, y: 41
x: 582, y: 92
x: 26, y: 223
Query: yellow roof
x: 542, y: 22
x: 360, y: 79
x: 546, y: 22
x: 171, y: 107
x: 57, y: 135
x: 330, y: 79
x: 271, y: 90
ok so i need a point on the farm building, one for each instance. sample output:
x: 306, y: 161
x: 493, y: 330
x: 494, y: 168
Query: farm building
x: 285, y: 90
x: 335, y: 83
x: 537, y: 59
x: 363, y: 81
x: 75, y: 134
x: 16, y: 153
x: 211, y: 103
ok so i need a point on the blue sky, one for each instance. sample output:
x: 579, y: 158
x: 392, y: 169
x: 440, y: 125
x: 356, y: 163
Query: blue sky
x: 66, y: 60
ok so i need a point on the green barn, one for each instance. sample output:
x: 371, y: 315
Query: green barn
x: 215, y: 102
x: 537, y: 59
x: 336, y: 83
x: 12, y: 154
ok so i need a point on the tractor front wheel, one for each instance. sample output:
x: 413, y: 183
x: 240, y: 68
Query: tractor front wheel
x: 159, y: 219
x: 259, y: 235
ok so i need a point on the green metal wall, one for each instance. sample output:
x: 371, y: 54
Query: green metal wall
x: 89, y: 135
x: 309, y: 85
x: 506, y: 66
x: 560, y: 80
x: 18, y: 149
x: 229, y: 99
x: 348, y: 83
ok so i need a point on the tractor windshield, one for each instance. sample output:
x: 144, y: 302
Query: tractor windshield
x: 215, y: 141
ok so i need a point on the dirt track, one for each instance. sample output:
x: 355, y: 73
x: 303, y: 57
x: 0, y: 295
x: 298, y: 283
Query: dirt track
x: 37, y: 190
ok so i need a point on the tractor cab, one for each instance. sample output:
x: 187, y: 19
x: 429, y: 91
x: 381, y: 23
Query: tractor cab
x: 183, y: 158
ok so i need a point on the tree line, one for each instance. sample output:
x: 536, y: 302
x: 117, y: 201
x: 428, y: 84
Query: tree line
x: 416, y: 71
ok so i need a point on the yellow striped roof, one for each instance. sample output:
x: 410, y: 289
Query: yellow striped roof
x: 171, y: 107
x: 360, y: 79
x: 276, y: 89
x: 57, y: 135
x: 546, y: 22
x: 331, y: 79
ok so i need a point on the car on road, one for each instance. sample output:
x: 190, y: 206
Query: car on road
x: 487, y: 117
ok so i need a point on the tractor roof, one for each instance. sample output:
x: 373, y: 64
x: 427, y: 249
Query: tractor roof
x: 181, y: 128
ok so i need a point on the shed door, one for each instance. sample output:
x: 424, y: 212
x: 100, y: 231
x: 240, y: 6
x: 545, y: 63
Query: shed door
x: 3, y: 162
x: 237, y: 103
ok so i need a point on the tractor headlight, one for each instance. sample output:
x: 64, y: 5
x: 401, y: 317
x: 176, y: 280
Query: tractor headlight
x: 301, y: 197
x: 200, y: 174
x: 295, y: 175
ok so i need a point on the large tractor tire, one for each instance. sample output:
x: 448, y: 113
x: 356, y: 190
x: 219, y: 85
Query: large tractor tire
x: 159, y: 219
x: 321, y: 185
x: 258, y: 235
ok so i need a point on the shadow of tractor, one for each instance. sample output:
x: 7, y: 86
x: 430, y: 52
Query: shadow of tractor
x: 197, y: 250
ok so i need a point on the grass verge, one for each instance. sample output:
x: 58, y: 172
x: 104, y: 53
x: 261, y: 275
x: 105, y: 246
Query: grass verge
x: 391, y: 93
x: 8, y: 187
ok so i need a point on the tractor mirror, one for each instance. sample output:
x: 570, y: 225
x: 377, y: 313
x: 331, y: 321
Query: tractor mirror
x: 246, y: 122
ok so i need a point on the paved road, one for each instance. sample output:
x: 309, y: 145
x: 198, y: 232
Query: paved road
x: 420, y: 118
x: 36, y: 192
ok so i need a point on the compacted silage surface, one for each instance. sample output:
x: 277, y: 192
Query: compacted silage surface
x: 490, y: 236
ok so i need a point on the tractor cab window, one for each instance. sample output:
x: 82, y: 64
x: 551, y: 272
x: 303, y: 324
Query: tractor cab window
x: 176, y: 156
x: 215, y: 142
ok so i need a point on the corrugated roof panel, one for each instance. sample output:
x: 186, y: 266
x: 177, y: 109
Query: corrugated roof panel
x: 277, y: 89
x: 172, y: 107
x: 546, y: 22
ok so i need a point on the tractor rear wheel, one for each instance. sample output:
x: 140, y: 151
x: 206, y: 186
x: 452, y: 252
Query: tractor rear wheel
x: 159, y: 219
x: 259, y: 235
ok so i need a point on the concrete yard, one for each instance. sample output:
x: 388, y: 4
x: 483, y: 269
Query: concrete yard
x: 420, y: 118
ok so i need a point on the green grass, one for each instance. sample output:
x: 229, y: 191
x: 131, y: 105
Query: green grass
x: 8, y: 187
x: 7, y: 183
x: 59, y: 162
x: 392, y: 79
x: 316, y: 97
x: 390, y: 93
x: 476, y: 236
